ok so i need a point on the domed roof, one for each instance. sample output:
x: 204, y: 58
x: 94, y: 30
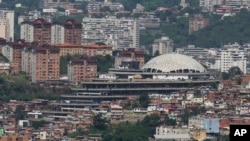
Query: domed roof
x: 176, y: 63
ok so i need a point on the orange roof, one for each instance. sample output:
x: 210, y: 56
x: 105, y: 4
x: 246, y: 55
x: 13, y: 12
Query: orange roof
x: 66, y: 45
x: 83, y: 46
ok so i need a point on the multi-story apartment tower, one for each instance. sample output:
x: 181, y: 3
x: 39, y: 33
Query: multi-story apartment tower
x: 231, y: 57
x: 118, y: 33
x: 72, y: 32
x: 13, y: 51
x: 7, y: 24
x: 57, y: 33
x: 197, y: 22
x: 44, y: 63
x: 69, y: 32
x: 163, y: 46
x: 83, y: 69
x: 26, y: 54
x: 38, y: 31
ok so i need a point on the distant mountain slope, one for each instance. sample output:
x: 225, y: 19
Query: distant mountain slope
x: 229, y: 30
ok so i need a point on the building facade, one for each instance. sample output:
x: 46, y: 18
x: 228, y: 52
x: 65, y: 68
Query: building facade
x: 230, y: 57
x: 172, y: 133
x: 211, y: 125
x: 54, y: 3
x: 44, y: 63
x: 238, y: 2
x: 72, y: 32
x: 57, y: 33
x: 209, y: 4
x: 130, y: 53
x: 67, y: 32
x: 163, y: 46
x: 97, y: 49
x: 89, y: 50
x: 197, y: 22
x: 13, y: 52
x: 7, y: 24
x: 118, y: 33
x: 38, y: 31
x: 83, y: 69
x: 43, y: 32
x: 4, y: 28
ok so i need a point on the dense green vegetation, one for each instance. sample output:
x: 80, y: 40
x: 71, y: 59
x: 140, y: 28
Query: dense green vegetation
x: 3, y: 58
x: 144, y: 100
x: 229, y: 30
x: 135, y: 132
x: 38, y: 124
x: 140, y: 131
x: 233, y: 71
x: 30, y: 4
x: 104, y: 63
x: 18, y: 87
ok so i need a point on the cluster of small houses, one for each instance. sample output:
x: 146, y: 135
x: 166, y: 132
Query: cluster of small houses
x: 224, y: 107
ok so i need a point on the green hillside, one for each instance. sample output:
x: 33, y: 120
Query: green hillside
x: 229, y: 30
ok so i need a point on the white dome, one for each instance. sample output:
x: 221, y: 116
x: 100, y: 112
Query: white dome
x: 176, y: 63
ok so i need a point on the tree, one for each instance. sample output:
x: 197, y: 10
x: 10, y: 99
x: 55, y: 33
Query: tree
x: 233, y: 71
x: 144, y: 100
x: 63, y: 64
x: 225, y: 75
x: 126, y: 132
x: 37, y: 124
x: 151, y: 122
x: 104, y: 63
x: 99, y: 123
x: 169, y: 121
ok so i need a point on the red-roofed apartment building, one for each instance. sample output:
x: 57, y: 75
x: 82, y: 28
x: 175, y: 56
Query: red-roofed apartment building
x: 83, y: 69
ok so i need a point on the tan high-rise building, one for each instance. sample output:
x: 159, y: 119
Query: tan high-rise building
x: 72, y: 32
x: 44, y: 63
x: 38, y: 31
x: 83, y: 69
x: 17, y: 56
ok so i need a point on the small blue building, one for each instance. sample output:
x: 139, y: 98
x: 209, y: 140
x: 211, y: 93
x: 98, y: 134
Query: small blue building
x: 212, y: 125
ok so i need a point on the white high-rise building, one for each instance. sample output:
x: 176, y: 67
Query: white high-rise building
x: 209, y: 4
x: 7, y: 22
x: 238, y: 2
x: 27, y: 32
x: 163, y: 46
x: 118, y: 33
x: 4, y: 28
x: 231, y: 57
x: 57, y: 34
